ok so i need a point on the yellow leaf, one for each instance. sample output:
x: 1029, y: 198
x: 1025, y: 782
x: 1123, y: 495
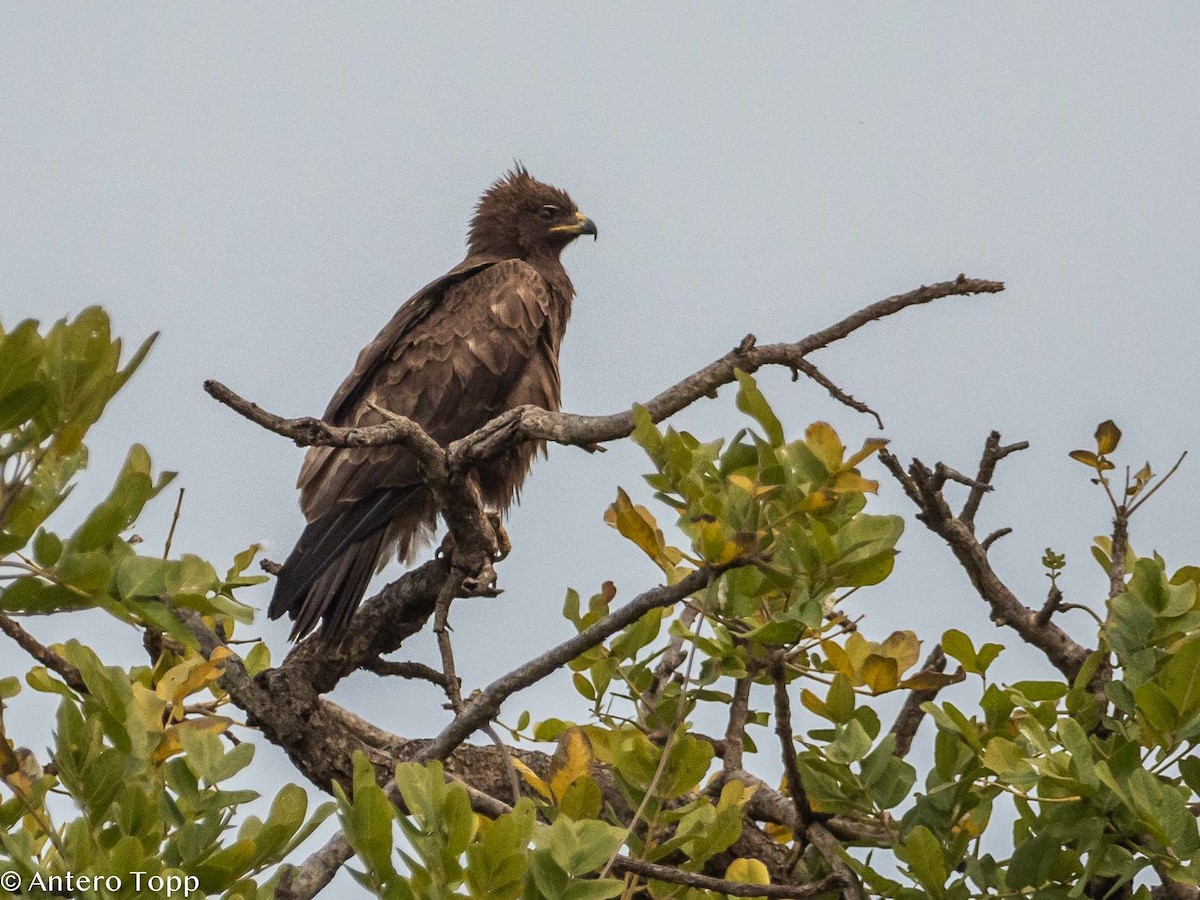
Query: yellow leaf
x: 734, y: 793
x: 816, y: 501
x: 839, y: 659
x: 531, y: 778
x: 780, y: 834
x: 572, y: 760
x: 741, y: 481
x: 870, y: 445
x: 846, y: 482
x: 190, y: 676
x: 748, y: 871
x: 825, y: 445
x: 813, y: 703
x: 172, y: 743
x: 1088, y: 458
x: 638, y: 525
x: 904, y: 647
x: 928, y: 681
x: 880, y: 673
x: 858, y: 649
x: 1108, y: 435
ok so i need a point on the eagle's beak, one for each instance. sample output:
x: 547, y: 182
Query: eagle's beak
x: 583, y: 225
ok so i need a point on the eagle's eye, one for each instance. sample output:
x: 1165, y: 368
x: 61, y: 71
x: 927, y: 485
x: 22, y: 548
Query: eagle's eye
x: 547, y: 212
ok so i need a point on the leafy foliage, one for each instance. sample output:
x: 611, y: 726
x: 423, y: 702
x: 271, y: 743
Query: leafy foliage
x: 140, y: 751
x: 1098, y: 771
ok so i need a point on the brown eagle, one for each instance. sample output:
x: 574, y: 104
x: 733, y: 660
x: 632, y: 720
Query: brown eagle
x: 480, y: 340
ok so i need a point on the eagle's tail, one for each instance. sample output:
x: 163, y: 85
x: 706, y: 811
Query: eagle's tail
x: 327, y: 572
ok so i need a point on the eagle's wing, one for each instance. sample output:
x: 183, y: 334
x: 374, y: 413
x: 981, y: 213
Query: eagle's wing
x: 415, y: 309
x: 450, y: 364
x: 451, y: 370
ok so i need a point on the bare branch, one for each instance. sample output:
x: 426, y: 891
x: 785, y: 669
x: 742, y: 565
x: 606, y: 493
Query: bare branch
x: 919, y: 482
x: 308, y: 879
x: 486, y: 705
x: 530, y: 423
x: 670, y: 874
x: 739, y: 709
x: 836, y: 392
x: 911, y: 715
x: 1052, y: 605
x: 42, y: 653
x: 829, y: 848
x: 987, y: 542
x: 311, y: 432
x: 992, y: 454
x: 414, y: 670
x: 787, y: 744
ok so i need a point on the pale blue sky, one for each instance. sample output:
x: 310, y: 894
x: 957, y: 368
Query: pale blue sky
x: 266, y: 183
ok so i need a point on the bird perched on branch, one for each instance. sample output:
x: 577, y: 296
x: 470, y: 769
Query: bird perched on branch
x: 480, y: 340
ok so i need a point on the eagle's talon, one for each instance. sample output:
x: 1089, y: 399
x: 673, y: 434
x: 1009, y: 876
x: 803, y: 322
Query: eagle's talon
x: 503, y: 543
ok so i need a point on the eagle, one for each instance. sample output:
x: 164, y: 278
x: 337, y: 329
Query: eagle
x: 480, y: 340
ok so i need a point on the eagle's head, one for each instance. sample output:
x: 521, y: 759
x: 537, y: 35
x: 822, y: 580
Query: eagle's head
x: 519, y: 217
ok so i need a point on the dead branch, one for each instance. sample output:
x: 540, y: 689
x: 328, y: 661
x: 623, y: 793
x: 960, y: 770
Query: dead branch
x: 403, y: 669
x: 530, y: 423
x: 921, y: 485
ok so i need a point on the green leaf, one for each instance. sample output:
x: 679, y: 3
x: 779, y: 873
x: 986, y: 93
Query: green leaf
x: 580, y: 847
x: 47, y: 548
x: 1030, y: 865
x: 21, y: 405
x: 1154, y: 703
x: 594, y: 889
x: 1006, y: 760
x: 751, y: 401
x: 1180, y: 678
x: 925, y: 860
x: 957, y: 645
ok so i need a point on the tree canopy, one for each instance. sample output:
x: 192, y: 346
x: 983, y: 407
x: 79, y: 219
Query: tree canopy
x: 802, y: 789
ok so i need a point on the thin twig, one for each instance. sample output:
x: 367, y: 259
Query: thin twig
x: 987, y: 542
x: 174, y: 522
x: 669, y: 743
x: 1161, y: 482
x: 670, y: 874
x: 414, y: 670
x: 992, y: 454
x: 836, y: 392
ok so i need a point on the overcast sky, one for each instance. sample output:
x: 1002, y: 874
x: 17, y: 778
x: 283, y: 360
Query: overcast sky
x: 266, y: 183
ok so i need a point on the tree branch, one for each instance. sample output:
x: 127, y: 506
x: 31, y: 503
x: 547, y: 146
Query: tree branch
x: 530, y: 423
x: 909, y: 719
x: 42, y: 653
x: 486, y: 704
x: 921, y: 485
